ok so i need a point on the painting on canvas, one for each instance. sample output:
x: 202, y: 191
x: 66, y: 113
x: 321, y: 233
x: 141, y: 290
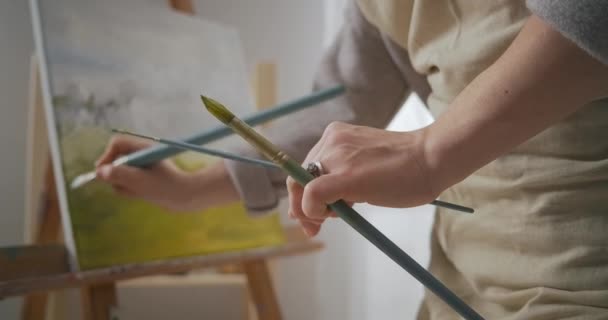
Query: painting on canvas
x: 105, y: 67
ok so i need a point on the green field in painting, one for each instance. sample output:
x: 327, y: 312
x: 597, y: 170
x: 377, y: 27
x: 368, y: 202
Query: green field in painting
x: 109, y: 229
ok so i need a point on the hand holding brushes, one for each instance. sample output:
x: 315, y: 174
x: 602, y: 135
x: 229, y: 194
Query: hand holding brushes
x: 342, y: 209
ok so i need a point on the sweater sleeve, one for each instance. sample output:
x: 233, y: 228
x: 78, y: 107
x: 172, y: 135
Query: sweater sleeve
x: 585, y: 22
x: 375, y: 89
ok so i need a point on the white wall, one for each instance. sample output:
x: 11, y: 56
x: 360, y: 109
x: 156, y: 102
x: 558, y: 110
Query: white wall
x: 392, y: 292
x: 288, y: 32
x: 15, y: 48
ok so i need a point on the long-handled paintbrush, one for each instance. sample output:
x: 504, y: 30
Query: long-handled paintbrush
x: 199, y: 149
x: 342, y: 209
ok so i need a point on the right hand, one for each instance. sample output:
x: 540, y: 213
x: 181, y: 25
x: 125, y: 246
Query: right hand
x: 162, y: 183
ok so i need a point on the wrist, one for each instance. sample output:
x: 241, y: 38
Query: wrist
x: 192, y: 192
x: 209, y: 187
x: 435, y: 158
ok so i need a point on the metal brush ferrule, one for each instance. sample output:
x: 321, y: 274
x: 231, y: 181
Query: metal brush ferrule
x: 267, y: 148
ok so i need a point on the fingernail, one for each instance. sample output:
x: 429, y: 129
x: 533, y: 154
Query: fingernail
x: 104, y: 171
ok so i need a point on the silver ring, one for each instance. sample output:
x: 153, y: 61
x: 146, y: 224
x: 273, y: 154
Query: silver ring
x: 315, y: 168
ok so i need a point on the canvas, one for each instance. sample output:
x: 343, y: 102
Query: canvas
x: 134, y: 65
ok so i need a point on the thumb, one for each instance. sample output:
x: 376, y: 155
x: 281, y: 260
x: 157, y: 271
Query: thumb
x: 322, y: 191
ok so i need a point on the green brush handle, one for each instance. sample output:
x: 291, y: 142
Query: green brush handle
x: 378, y: 239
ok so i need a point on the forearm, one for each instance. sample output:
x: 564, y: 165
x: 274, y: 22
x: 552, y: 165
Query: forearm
x: 210, y: 187
x: 542, y: 78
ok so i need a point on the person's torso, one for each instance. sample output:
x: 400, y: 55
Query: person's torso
x: 539, y: 236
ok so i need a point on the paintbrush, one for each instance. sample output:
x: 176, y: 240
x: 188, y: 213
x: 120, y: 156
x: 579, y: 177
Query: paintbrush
x: 263, y: 163
x: 342, y: 209
x: 149, y: 156
x: 199, y: 149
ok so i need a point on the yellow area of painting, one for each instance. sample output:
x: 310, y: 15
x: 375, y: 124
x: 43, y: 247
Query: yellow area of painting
x: 110, y: 230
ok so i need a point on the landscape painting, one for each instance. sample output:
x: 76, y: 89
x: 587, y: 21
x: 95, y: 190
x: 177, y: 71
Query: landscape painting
x: 139, y: 66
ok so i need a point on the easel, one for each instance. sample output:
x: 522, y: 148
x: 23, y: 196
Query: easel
x: 33, y: 270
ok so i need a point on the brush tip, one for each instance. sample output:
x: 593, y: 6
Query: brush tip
x: 82, y: 180
x: 217, y: 110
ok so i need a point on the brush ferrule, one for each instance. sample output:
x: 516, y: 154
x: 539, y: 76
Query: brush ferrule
x: 264, y: 146
x: 280, y: 158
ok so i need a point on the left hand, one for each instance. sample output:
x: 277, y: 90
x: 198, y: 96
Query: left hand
x: 362, y: 164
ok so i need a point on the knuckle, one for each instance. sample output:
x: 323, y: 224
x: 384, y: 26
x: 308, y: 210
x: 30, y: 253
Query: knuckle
x: 348, y: 171
x: 335, y: 138
x: 338, y: 157
x: 338, y: 135
x: 346, y: 148
x: 335, y: 126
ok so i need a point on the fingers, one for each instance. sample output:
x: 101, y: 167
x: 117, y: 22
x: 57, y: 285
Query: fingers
x: 118, y: 146
x: 310, y: 229
x: 312, y: 212
x: 126, y: 180
x: 295, y: 198
x: 295, y: 203
x: 322, y: 191
x: 309, y: 205
x: 123, y: 191
x: 310, y: 226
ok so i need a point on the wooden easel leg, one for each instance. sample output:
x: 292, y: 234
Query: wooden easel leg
x: 262, y: 292
x: 98, y: 301
x: 258, y: 277
x: 34, y: 306
x: 49, y: 221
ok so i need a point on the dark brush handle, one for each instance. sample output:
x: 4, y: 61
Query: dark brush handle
x: 378, y: 239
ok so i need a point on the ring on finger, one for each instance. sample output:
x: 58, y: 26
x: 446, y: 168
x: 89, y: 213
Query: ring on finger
x: 315, y: 169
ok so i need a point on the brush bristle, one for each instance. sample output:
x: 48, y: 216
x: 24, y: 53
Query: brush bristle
x: 217, y: 110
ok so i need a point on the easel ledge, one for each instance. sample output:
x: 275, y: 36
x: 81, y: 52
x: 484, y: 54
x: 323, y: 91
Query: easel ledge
x: 42, y: 268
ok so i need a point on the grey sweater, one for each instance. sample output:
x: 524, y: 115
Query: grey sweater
x: 585, y: 22
x: 378, y: 72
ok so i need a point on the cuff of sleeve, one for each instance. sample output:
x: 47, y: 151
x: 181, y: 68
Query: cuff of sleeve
x: 254, y: 187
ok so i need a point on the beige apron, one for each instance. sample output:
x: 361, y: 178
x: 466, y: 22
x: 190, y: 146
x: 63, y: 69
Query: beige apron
x: 537, y: 247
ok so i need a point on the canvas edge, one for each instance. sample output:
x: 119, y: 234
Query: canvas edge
x: 45, y: 85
